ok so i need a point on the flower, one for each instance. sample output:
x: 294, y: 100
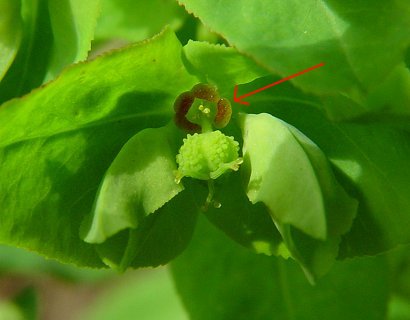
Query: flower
x: 143, y: 192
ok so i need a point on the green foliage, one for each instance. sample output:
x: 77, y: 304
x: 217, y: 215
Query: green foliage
x: 246, y: 223
x: 132, y: 20
x: 156, y: 240
x: 362, y: 155
x: 89, y: 166
x: 221, y: 65
x: 72, y: 26
x: 139, y: 182
x: 86, y: 116
x: 361, y: 43
x: 311, y: 216
x: 133, y: 195
x: 10, y: 33
x: 54, y: 34
x: 242, y: 285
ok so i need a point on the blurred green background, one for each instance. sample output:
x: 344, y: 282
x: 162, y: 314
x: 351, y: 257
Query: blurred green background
x: 32, y: 287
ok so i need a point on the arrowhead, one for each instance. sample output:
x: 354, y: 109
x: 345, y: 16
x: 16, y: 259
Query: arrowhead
x: 238, y: 99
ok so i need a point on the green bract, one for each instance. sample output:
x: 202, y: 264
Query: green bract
x: 291, y: 176
x: 136, y: 184
x: 207, y: 155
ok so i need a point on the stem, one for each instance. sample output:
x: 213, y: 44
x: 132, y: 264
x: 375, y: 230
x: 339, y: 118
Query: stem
x: 210, y: 198
x: 211, y: 192
x: 206, y: 123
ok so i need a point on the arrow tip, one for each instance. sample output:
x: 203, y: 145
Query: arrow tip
x: 238, y: 99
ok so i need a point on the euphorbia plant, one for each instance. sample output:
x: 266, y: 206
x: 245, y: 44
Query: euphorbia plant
x: 118, y: 159
x: 144, y: 177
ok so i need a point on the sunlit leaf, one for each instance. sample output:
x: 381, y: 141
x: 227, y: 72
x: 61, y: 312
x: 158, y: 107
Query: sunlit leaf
x: 220, y: 65
x: 359, y: 42
x: 57, y: 143
x: 369, y: 159
x: 140, y: 180
x: 290, y: 175
x: 73, y: 23
x: 134, y: 197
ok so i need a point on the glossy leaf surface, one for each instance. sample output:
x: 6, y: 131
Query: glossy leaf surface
x: 351, y: 38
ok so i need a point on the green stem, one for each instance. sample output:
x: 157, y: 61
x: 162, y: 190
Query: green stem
x: 206, y: 125
x: 211, y: 192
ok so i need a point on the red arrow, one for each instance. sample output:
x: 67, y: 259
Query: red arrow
x: 239, y: 99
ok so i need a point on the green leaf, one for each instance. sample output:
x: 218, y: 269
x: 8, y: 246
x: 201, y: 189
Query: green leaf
x: 392, y: 95
x: 249, y: 225
x: 223, y: 66
x: 139, y: 184
x: 359, y: 42
x: 137, y: 20
x: 219, y: 280
x: 159, y: 238
x: 291, y: 176
x: 57, y: 143
x: 139, y: 181
x: 73, y: 23
x: 54, y: 34
x: 387, y: 100
x: 30, y: 65
x: 281, y: 175
x: 400, y: 261
x: 370, y: 160
x: 10, y: 33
